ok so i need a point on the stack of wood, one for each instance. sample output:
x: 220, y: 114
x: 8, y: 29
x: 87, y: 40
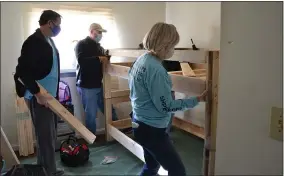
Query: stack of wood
x: 24, y: 128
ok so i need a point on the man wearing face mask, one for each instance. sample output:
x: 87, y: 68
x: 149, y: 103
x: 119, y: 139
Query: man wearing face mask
x: 39, y: 61
x: 90, y: 74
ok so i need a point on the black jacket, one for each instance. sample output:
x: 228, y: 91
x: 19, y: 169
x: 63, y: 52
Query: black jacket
x: 89, y: 68
x: 34, y: 64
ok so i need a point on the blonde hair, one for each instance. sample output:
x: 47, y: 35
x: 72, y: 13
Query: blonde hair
x: 160, y: 39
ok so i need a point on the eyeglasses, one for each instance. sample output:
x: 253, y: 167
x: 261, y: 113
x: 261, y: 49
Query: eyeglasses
x: 55, y: 24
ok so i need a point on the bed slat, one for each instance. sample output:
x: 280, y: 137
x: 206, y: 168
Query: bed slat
x: 183, y: 55
x: 182, y: 84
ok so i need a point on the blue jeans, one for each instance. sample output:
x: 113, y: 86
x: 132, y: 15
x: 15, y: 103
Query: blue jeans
x: 92, y: 99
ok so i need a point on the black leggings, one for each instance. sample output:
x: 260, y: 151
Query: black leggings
x: 158, y: 150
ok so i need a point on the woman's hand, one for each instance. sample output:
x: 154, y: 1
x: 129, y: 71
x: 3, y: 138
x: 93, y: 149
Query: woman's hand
x: 202, y: 96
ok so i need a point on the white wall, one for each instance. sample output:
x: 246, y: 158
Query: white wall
x: 251, y: 83
x: 201, y: 22
x: 197, y: 20
x: 133, y: 19
x: 250, y: 77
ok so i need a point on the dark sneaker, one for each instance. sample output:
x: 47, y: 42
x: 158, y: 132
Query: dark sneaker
x: 127, y: 130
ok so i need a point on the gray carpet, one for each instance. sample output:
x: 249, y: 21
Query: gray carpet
x: 189, y: 147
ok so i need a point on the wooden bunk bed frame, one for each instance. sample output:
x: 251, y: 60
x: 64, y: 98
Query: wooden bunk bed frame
x: 204, y: 74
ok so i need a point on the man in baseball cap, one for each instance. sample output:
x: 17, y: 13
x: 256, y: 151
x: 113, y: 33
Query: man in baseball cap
x: 90, y: 74
x: 96, y: 31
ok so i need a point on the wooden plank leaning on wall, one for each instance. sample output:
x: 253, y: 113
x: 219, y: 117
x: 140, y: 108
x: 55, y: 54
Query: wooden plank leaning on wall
x: 7, y: 151
x: 24, y: 127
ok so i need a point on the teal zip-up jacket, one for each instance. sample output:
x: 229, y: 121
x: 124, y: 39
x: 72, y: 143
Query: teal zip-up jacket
x: 150, y: 93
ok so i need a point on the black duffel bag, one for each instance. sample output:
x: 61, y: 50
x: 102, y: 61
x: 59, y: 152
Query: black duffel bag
x: 72, y: 153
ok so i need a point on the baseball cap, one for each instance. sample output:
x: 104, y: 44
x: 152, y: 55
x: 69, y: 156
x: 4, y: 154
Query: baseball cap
x: 96, y: 26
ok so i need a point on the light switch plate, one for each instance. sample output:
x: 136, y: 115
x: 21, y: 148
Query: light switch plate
x: 276, y: 123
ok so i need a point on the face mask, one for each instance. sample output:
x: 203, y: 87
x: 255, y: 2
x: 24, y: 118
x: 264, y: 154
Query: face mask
x: 170, y: 53
x: 55, y: 30
x: 98, y: 37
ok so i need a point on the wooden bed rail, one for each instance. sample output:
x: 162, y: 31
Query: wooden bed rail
x: 182, y: 84
x: 181, y: 54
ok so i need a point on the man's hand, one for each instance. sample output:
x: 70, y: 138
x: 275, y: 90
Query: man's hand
x: 202, y: 96
x: 104, y: 59
x: 42, y: 99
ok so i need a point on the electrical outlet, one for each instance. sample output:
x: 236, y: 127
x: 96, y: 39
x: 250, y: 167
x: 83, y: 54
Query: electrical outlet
x: 276, y: 123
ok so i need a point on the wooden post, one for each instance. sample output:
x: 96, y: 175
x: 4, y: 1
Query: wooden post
x: 214, y: 111
x: 107, y: 100
x: 207, y: 114
x: 211, y: 113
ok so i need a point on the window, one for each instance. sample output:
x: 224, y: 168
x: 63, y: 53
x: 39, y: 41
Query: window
x: 74, y: 27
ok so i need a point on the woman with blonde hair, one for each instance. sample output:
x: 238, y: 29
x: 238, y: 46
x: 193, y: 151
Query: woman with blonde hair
x: 152, y: 102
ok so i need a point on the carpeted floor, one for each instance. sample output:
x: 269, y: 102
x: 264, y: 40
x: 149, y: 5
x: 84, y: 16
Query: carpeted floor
x: 189, y: 147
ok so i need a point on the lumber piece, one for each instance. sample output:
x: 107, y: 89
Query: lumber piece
x: 127, y: 142
x: 65, y: 115
x: 211, y: 113
x: 131, y: 145
x: 7, y: 151
x: 114, y: 83
x: 107, y: 80
x: 196, y: 66
x: 120, y: 93
x: 108, y: 118
x: 120, y: 99
x: 119, y: 96
x: 134, y: 53
x: 186, y: 55
x: 189, y: 127
x: 186, y: 69
x: 176, y: 72
x: 24, y: 128
x: 214, y: 112
x: 199, y: 71
x: 188, y: 85
x: 118, y: 70
x: 208, y: 109
x: 107, y: 99
x: 200, y: 75
x: 182, y: 84
x: 122, y: 124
